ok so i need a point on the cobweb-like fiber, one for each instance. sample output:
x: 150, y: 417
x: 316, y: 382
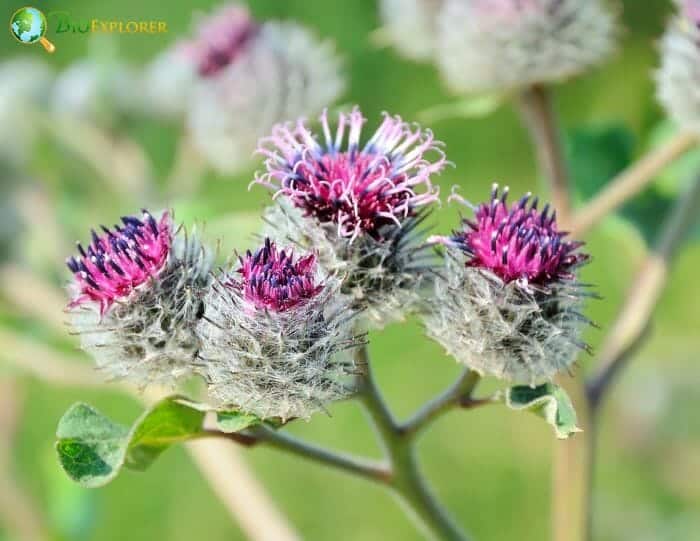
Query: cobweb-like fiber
x: 521, y: 334
x: 502, y: 44
x: 148, y: 336
x: 385, y: 278
x: 277, y: 364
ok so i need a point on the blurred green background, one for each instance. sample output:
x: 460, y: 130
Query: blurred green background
x: 490, y: 466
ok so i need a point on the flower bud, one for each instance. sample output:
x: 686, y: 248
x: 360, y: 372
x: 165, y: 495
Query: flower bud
x: 276, y: 337
x: 678, y: 79
x: 509, y: 304
x: 168, y: 82
x: 504, y: 44
x: 411, y: 26
x: 136, y: 296
x: 359, y: 207
x: 248, y: 76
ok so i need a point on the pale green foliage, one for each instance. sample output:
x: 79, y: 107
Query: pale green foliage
x: 550, y: 402
x: 92, y: 449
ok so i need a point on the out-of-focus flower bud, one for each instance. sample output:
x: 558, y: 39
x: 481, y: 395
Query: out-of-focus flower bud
x: 504, y: 44
x: 678, y: 79
x: 411, y: 26
x: 237, y: 77
x: 168, y: 82
x: 96, y: 91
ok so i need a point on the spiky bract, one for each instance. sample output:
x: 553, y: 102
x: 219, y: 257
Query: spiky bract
x: 135, y: 304
x: 275, y: 341
x: 509, y: 303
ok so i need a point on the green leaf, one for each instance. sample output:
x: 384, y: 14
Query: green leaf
x: 549, y: 402
x: 235, y: 421
x: 92, y: 449
x: 168, y: 422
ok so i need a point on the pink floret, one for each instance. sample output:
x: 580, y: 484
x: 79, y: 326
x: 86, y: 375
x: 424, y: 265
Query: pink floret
x: 358, y: 189
x: 221, y: 38
x: 273, y: 279
x: 518, y: 242
x: 121, y: 259
x: 691, y: 9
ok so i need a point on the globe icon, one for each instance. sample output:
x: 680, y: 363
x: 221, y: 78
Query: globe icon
x: 28, y: 25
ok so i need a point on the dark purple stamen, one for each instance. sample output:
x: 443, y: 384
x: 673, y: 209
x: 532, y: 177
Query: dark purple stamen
x: 274, y: 280
x: 120, y: 260
x: 518, y: 242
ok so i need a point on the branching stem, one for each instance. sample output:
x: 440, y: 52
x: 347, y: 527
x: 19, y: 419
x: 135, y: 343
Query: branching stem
x: 407, y: 481
x: 539, y: 117
x: 361, y: 467
x: 459, y: 394
x: 630, y: 182
x: 401, y: 473
x: 632, y: 322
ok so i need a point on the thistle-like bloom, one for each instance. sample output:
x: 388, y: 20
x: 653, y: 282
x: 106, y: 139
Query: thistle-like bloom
x: 358, y: 206
x: 168, y: 82
x: 678, y: 79
x: 276, y: 337
x: 237, y: 77
x: 411, y: 25
x: 503, y: 44
x: 509, y: 304
x: 276, y: 281
x: 221, y: 38
x: 136, y: 296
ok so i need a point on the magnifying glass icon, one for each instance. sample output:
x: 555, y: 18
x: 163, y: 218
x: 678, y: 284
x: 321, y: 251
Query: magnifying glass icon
x: 28, y: 25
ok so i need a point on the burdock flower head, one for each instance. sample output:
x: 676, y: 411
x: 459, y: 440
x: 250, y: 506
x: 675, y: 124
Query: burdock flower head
x: 276, y: 337
x: 136, y: 295
x: 237, y: 77
x: 220, y: 40
x: 678, y: 79
x: 358, y: 206
x: 509, y: 304
x: 505, y: 44
x: 411, y: 25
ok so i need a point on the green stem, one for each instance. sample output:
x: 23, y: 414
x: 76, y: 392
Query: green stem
x: 411, y: 488
x: 457, y: 395
x: 354, y: 465
x: 632, y: 322
x: 540, y: 119
x: 402, y: 475
x: 407, y: 481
